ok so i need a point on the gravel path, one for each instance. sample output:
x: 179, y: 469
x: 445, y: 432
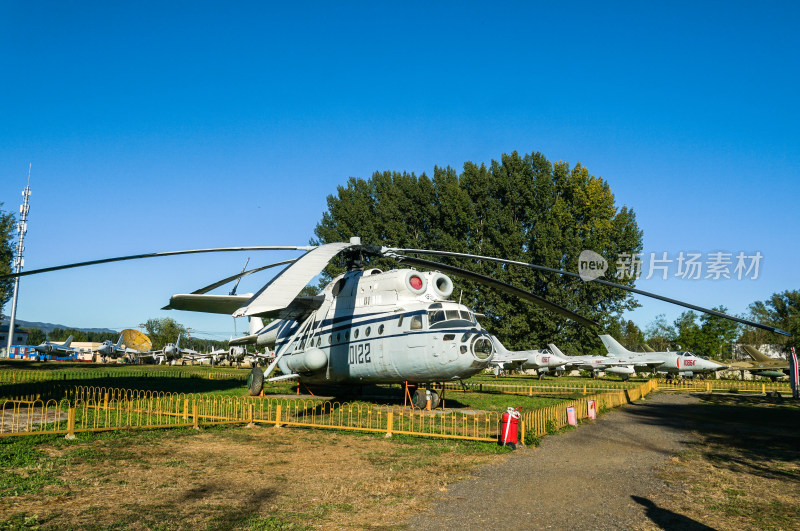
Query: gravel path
x: 599, y: 476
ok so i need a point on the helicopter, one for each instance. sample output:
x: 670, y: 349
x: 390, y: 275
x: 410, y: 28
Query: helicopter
x: 368, y: 326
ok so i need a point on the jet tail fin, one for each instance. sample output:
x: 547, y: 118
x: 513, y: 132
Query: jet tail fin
x: 555, y: 350
x: 613, y: 347
x: 755, y: 354
x: 67, y: 342
x: 178, y: 342
x: 499, y: 346
x: 119, y: 341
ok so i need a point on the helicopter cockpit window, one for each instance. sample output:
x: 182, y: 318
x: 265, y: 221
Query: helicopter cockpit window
x: 449, y: 317
x: 436, y: 316
x: 416, y: 322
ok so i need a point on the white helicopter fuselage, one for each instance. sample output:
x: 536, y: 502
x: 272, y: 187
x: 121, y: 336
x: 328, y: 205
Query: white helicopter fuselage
x: 375, y: 327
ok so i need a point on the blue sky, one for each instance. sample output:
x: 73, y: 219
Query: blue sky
x: 157, y: 126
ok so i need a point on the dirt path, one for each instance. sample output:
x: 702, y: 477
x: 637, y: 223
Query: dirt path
x: 600, y: 476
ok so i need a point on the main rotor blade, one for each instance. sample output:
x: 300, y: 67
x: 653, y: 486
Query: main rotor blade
x: 239, y: 276
x: 502, y: 286
x: 154, y: 255
x: 281, y: 290
x: 391, y: 251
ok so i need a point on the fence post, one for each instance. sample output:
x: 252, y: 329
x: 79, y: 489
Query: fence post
x: 278, y: 416
x: 763, y: 388
x: 185, y: 409
x: 250, y: 424
x: 522, y: 432
x: 70, y: 424
x: 584, y: 388
x: 389, y: 422
x: 194, y: 414
x: 105, y: 401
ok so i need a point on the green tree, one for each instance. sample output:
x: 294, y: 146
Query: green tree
x: 659, y: 334
x: 717, y: 335
x: 688, y: 336
x: 7, y: 237
x: 709, y: 337
x: 522, y: 208
x: 781, y: 310
x: 163, y: 331
x: 36, y: 336
x: 627, y: 333
x: 61, y: 334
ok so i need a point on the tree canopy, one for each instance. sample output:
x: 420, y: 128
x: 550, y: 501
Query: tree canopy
x: 521, y: 208
x: 7, y: 237
x: 781, y: 310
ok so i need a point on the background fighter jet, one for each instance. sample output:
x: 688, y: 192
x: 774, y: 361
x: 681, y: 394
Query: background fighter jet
x: 762, y: 365
x: 596, y: 364
x: 171, y: 353
x: 681, y: 363
x: 48, y: 348
x: 541, y: 360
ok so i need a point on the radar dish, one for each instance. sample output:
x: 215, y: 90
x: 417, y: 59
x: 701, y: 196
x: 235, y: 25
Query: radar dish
x: 136, y: 340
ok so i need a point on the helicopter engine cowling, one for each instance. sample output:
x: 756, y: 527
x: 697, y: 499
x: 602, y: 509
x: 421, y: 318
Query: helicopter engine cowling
x: 309, y: 360
x: 442, y: 285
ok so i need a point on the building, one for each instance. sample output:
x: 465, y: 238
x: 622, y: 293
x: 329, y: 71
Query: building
x: 20, y: 336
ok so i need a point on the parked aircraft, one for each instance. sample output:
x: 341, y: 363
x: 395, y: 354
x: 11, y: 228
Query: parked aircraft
x: 171, y: 353
x: 368, y: 325
x: 595, y: 364
x: 762, y: 365
x: 49, y: 348
x: 120, y: 349
x: 680, y: 363
x: 541, y: 360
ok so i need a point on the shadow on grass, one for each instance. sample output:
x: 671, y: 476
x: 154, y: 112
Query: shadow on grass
x: 754, y: 434
x: 666, y: 519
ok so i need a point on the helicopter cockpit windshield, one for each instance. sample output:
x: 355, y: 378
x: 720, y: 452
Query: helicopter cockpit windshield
x: 449, y: 316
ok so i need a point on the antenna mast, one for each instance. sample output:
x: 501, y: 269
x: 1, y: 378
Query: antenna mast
x: 22, y: 228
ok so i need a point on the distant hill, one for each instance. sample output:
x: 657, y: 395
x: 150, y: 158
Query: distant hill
x: 49, y: 327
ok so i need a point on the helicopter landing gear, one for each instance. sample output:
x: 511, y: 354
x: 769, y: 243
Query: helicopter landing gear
x: 255, y: 381
x: 421, y: 397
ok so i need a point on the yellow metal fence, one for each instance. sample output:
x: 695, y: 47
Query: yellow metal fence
x: 88, y: 409
x: 166, y: 371
x: 539, y: 388
x: 726, y: 386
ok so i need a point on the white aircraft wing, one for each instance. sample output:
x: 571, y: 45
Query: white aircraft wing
x: 191, y: 302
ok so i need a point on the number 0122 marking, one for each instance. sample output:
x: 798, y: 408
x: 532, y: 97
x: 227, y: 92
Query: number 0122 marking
x: 360, y: 354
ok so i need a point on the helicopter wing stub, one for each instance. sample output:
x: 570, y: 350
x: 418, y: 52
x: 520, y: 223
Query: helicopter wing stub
x: 394, y: 251
x: 191, y: 302
x: 284, y: 288
x: 502, y: 286
x: 244, y: 340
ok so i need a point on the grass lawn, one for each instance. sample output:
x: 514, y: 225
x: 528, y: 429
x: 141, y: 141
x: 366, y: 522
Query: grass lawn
x: 742, y: 470
x: 226, y: 478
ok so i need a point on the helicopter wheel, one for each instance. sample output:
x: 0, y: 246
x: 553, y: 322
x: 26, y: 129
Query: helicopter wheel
x: 255, y: 381
x: 420, y: 398
x: 435, y: 399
